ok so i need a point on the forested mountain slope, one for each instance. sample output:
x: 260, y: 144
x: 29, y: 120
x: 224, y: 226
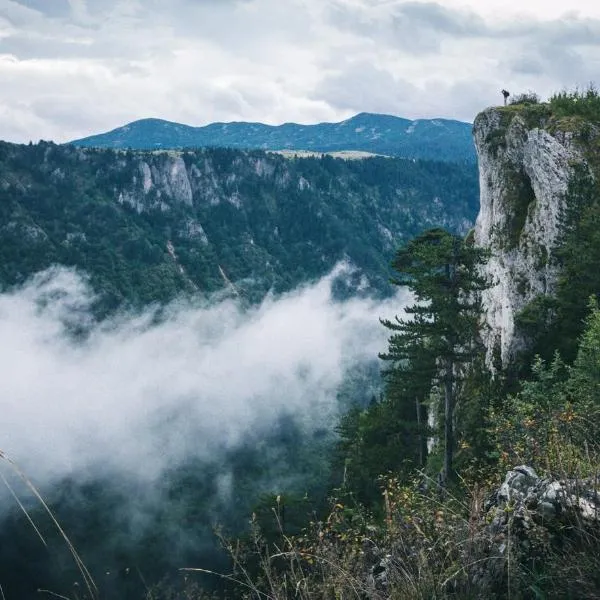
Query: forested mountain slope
x: 433, y: 139
x: 149, y: 225
x: 472, y: 473
x: 469, y: 515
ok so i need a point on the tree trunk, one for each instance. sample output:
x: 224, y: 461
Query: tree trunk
x: 422, y: 440
x: 448, y: 422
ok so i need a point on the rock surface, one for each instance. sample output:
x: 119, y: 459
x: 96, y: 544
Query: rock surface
x: 527, y: 524
x: 529, y: 516
x: 525, y: 168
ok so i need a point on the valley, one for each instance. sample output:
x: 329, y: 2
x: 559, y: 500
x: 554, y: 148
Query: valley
x: 299, y: 300
x: 199, y: 336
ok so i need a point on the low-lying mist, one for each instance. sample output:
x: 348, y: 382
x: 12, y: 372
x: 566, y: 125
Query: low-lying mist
x: 141, y: 392
x: 147, y: 429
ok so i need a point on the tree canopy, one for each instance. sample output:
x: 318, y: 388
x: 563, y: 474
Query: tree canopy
x: 438, y: 335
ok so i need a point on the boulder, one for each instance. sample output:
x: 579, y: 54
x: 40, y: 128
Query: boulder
x: 530, y: 518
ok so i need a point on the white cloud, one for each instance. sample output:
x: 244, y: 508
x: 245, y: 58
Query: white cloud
x: 77, y: 68
x: 139, y: 395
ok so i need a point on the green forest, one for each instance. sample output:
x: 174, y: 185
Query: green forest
x: 405, y: 499
x: 256, y: 218
x: 411, y: 519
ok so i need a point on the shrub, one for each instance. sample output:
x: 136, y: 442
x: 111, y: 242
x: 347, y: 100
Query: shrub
x: 580, y: 103
x: 525, y: 98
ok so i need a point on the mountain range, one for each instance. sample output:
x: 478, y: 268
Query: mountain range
x: 433, y: 139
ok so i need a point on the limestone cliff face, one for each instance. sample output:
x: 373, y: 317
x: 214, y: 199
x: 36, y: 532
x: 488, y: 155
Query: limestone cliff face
x: 162, y: 179
x: 525, y: 167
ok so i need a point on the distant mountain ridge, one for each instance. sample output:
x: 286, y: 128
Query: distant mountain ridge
x: 431, y: 139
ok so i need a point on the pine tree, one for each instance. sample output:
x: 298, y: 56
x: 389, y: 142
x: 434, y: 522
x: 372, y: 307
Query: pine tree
x: 433, y: 344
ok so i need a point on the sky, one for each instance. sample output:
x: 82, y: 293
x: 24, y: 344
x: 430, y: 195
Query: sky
x: 71, y: 68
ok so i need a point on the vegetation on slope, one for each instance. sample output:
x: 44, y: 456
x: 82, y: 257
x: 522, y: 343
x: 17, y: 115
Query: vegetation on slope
x: 419, y: 539
x: 393, y: 529
x: 397, y: 531
x: 257, y: 219
x: 291, y: 222
x: 428, y: 139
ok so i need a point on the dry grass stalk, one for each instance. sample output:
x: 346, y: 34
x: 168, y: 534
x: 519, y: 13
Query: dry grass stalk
x: 90, y: 584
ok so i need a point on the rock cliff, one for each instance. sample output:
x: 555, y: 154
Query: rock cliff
x: 527, y: 163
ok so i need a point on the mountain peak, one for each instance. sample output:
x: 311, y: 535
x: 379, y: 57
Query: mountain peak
x: 367, y: 132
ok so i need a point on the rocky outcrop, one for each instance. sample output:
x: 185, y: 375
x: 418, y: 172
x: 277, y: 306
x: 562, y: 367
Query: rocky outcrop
x: 530, y: 517
x: 547, y: 499
x: 163, y: 182
x: 527, y: 524
x: 525, y: 169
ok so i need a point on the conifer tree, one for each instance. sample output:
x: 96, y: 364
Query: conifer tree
x: 442, y: 270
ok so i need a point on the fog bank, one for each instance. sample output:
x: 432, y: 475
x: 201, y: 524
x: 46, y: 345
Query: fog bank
x: 142, y: 392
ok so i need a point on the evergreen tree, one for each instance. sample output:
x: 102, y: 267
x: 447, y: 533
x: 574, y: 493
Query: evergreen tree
x: 585, y: 375
x: 442, y: 271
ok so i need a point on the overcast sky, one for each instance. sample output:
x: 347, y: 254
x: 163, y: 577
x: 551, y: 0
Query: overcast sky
x: 70, y: 68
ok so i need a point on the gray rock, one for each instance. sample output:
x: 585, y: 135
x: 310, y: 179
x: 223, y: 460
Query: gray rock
x: 524, y: 175
x: 529, y: 514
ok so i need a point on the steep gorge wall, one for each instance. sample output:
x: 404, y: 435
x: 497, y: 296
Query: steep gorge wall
x: 526, y: 165
x: 149, y: 225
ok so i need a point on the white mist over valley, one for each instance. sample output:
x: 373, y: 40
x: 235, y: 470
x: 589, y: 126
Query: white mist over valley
x: 143, y: 391
x: 299, y: 299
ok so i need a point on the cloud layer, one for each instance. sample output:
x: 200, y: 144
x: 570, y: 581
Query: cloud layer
x: 75, y: 67
x: 142, y: 392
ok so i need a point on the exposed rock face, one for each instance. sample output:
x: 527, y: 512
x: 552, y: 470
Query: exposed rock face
x: 166, y: 181
x: 529, y: 515
x: 163, y: 179
x: 524, y: 174
x: 528, y: 521
x: 546, y: 499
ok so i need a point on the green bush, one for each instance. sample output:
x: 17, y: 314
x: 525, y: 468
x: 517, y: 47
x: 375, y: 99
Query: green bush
x: 525, y: 98
x: 581, y: 103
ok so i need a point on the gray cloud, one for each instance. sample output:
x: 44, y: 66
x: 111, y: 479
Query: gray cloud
x: 527, y: 65
x: 56, y: 8
x: 423, y: 27
x: 140, y: 395
x: 362, y: 86
x: 112, y: 61
x: 432, y: 15
x: 415, y: 27
x: 559, y: 63
x: 568, y: 31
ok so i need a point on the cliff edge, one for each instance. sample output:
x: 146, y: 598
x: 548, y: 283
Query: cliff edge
x: 528, y: 162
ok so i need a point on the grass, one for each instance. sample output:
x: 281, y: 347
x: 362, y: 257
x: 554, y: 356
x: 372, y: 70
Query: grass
x: 342, y: 556
x: 582, y: 103
x: 87, y: 578
x: 430, y: 543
